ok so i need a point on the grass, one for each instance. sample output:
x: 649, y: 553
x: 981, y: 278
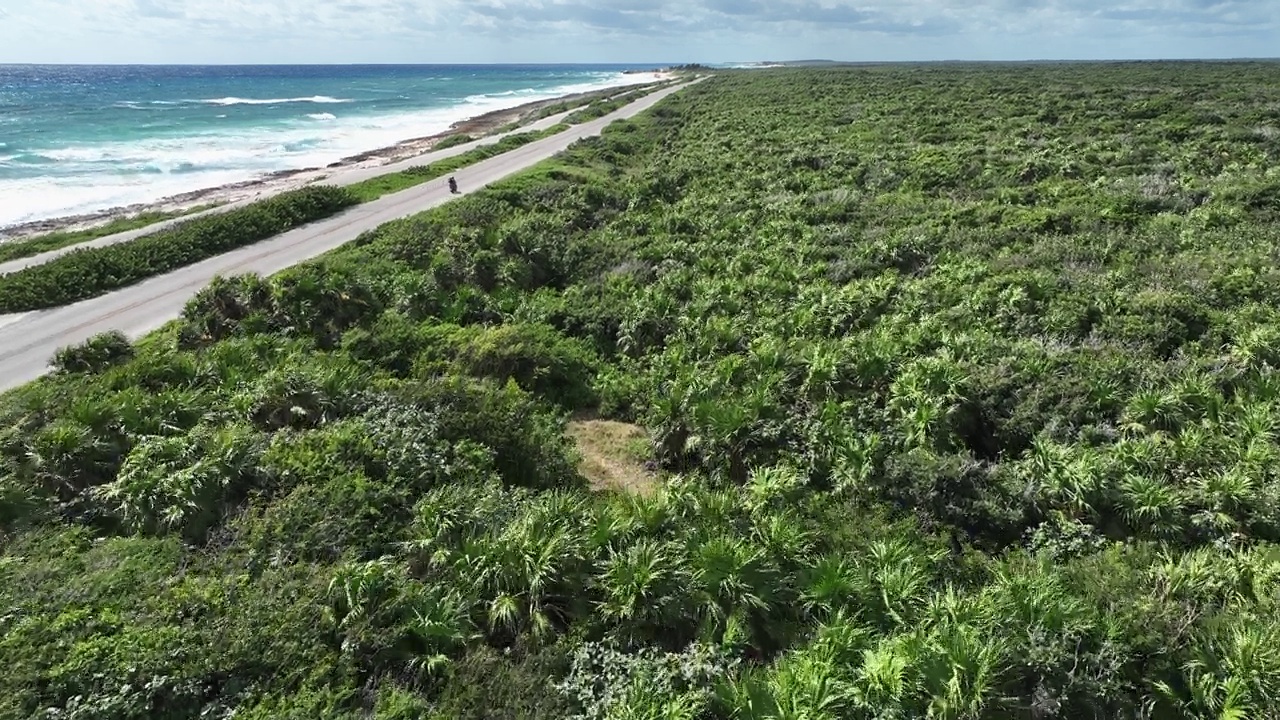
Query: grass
x: 363, y: 192
x: 453, y: 141
x: 375, y: 187
x: 371, y: 189
x: 36, y: 244
x: 614, y: 455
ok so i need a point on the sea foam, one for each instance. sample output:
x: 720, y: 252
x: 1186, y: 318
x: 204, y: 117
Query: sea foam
x: 323, y: 99
x: 102, y: 175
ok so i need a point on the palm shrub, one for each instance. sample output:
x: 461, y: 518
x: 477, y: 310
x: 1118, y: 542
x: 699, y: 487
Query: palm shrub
x: 181, y: 483
x: 525, y: 435
x: 222, y: 308
x: 304, y: 396
x: 387, y: 622
x: 520, y: 573
x: 537, y: 357
x: 642, y: 590
x: 322, y: 301
x: 489, y: 684
x: 1233, y: 672
x: 95, y: 354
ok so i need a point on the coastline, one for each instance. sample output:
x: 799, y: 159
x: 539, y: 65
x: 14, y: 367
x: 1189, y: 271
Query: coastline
x: 280, y: 181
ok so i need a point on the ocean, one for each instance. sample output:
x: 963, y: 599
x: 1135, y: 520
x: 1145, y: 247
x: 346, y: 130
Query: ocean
x: 80, y: 139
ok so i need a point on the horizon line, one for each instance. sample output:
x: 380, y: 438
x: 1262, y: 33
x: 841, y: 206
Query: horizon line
x: 655, y: 64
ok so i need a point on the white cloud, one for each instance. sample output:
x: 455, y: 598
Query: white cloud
x: 627, y: 30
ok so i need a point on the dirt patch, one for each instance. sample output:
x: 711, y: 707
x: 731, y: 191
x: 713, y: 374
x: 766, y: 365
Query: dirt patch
x: 613, y: 455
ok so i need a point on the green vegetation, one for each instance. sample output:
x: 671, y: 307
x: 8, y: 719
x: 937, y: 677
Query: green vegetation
x: 589, y: 106
x: 26, y: 247
x: 78, y: 276
x: 376, y: 187
x: 578, y: 102
x: 453, y: 141
x: 89, y: 272
x: 961, y: 390
x: 605, y: 105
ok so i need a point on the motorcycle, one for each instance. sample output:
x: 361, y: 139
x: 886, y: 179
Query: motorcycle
x: 453, y: 186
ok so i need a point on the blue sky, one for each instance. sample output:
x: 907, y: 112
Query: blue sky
x: 409, y: 31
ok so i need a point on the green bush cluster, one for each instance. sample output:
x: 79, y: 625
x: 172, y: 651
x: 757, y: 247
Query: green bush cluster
x: 28, y: 246
x: 453, y: 141
x: 96, y: 353
x: 91, y: 272
x: 593, y: 97
x: 960, y: 380
x: 600, y: 107
x: 376, y: 187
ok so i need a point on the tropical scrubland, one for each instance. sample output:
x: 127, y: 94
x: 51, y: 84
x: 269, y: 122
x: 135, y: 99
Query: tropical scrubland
x: 959, y: 392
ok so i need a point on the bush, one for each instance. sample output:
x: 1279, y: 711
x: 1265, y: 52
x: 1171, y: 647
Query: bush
x: 91, y: 272
x: 95, y: 354
x: 453, y: 141
x: 537, y: 357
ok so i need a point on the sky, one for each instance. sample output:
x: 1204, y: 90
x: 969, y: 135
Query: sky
x: 629, y: 31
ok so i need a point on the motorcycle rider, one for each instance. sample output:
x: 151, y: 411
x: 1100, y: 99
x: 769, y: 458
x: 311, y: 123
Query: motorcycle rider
x: 453, y: 185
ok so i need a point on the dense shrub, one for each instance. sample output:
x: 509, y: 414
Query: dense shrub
x: 960, y: 382
x: 90, y: 272
x: 95, y: 354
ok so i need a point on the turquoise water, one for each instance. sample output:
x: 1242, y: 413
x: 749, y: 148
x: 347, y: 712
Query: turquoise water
x: 77, y: 139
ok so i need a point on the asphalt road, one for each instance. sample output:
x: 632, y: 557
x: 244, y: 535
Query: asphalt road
x: 28, y: 341
x: 339, y: 176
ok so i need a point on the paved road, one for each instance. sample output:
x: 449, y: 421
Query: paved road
x: 27, y: 342
x: 339, y: 176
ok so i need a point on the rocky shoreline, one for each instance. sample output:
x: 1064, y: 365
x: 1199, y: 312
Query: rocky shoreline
x: 282, y: 180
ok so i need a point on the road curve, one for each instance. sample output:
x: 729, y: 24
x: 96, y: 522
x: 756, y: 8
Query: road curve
x: 27, y: 342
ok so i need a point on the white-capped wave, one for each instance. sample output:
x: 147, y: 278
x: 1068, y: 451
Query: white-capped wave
x: 322, y: 116
x: 98, y: 176
x: 324, y: 99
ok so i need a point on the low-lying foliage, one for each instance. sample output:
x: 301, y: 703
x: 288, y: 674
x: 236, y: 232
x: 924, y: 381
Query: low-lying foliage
x: 453, y: 140
x: 26, y: 247
x: 960, y: 384
x: 376, y: 187
x: 90, y: 272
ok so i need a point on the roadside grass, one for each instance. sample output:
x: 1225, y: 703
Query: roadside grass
x: 36, y: 244
x: 453, y: 141
x: 593, y: 97
x: 604, y: 105
x: 89, y: 272
x: 376, y: 187
x: 369, y: 190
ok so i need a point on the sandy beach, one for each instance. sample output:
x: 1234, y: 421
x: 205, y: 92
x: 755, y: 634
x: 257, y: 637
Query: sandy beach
x: 478, y: 126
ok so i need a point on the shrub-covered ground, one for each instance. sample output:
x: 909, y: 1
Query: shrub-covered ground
x: 961, y: 381
x: 90, y: 272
